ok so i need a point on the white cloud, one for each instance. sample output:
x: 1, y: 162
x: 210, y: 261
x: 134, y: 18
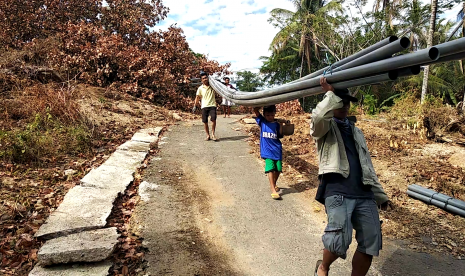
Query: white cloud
x: 226, y: 30
x: 235, y: 31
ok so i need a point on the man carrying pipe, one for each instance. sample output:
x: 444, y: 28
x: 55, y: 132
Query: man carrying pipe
x: 206, y: 95
x: 349, y: 187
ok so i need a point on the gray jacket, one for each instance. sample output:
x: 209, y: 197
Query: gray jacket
x: 331, y: 151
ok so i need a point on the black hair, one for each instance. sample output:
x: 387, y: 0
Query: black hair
x: 202, y: 73
x: 226, y: 78
x: 269, y: 109
x: 341, y: 91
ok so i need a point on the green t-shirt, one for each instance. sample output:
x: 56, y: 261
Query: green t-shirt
x: 207, y: 94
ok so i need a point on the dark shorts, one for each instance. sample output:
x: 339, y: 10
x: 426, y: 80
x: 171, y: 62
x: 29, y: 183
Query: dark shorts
x: 209, y: 111
x: 345, y: 214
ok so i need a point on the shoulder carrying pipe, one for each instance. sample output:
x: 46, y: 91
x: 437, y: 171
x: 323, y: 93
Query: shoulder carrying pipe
x: 363, y: 52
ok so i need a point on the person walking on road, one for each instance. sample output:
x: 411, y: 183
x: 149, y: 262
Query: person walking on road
x: 349, y: 187
x: 227, y: 103
x: 271, y: 148
x: 206, y: 95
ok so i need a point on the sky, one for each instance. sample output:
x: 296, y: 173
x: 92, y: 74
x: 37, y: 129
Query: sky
x: 235, y: 31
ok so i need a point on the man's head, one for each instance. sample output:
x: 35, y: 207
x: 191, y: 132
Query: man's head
x: 226, y: 80
x: 341, y: 113
x: 204, y: 78
x: 269, y: 112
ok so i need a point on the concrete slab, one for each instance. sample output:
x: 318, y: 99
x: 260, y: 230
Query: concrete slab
x: 249, y: 121
x: 108, y: 177
x: 91, y: 269
x: 87, y: 246
x: 148, y: 135
x: 135, y: 146
x: 83, y: 208
x: 126, y: 159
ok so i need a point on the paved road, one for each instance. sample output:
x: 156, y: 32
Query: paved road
x: 210, y: 213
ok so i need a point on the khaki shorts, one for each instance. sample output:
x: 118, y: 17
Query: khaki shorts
x: 345, y: 214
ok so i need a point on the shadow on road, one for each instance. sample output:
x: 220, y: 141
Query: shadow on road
x: 307, y: 169
x: 233, y: 138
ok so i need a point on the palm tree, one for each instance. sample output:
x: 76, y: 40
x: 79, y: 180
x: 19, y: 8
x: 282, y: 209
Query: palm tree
x: 432, y: 22
x: 298, y: 26
x: 413, y: 25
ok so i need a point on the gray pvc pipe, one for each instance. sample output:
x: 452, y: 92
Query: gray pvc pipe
x: 437, y: 203
x: 409, y: 71
x: 361, y: 53
x: 437, y: 196
x: 457, y: 56
x: 373, y: 68
x: 378, y: 54
x: 305, y: 92
x: 451, y: 47
x: 383, y: 52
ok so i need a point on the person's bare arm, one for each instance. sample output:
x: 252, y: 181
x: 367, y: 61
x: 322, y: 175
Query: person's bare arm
x: 197, y: 99
x: 256, y: 111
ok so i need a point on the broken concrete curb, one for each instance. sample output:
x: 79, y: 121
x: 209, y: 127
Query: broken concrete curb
x: 135, y: 146
x: 149, y: 135
x: 83, y: 208
x: 131, y: 160
x: 88, y: 246
x: 91, y: 269
x: 108, y: 177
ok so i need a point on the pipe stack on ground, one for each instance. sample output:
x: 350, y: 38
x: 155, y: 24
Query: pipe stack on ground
x: 442, y: 201
x: 372, y: 65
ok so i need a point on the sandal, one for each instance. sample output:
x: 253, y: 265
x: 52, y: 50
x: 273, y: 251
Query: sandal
x: 275, y: 196
x: 318, y: 263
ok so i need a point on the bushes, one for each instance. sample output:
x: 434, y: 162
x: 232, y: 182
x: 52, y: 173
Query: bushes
x: 43, y: 122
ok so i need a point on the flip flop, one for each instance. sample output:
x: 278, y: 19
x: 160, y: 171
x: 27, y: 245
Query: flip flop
x: 318, y: 263
x: 275, y: 196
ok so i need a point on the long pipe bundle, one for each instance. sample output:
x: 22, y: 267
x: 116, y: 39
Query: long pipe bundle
x: 442, y: 201
x: 372, y: 65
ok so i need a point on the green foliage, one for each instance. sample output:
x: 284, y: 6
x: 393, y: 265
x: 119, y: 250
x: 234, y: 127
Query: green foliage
x: 369, y: 104
x: 44, y: 137
x: 248, y: 81
x: 317, y: 34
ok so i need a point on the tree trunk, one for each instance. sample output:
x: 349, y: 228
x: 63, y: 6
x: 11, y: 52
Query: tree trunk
x: 432, y: 23
x: 463, y: 35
